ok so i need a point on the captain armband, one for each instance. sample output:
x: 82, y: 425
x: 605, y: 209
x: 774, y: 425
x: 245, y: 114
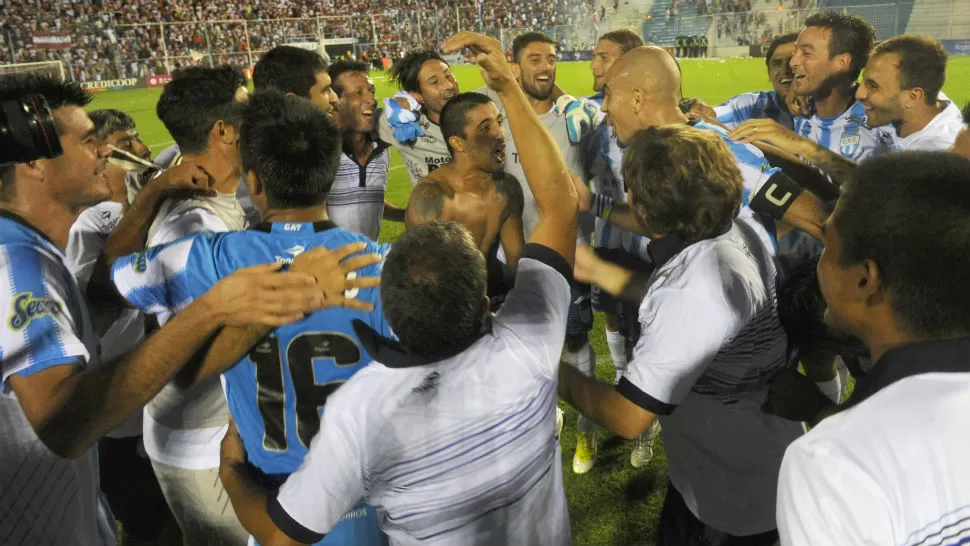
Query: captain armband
x: 775, y: 196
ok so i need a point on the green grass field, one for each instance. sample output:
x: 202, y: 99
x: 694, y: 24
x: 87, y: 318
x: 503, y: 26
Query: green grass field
x: 613, y: 504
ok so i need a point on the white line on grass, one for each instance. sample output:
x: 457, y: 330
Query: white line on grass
x: 166, y: 143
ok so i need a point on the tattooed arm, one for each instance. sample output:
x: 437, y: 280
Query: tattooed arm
x: 427, y: 203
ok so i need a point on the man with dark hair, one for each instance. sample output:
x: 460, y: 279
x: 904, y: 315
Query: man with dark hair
x: 834, y: 133
x: 901, y: 87
x: 961, y: 145
x: 202, y: 109
x: 356, y: 201
x: 890, y: 274
x: 457, y: 441
x: 713, y: 270
x: 310, y: 359
x: 409, y: 121
x: 59, y: 399
x: 289, y: 69
x: 473, y: 188
x: 760, y: 104
x: 610, y: 47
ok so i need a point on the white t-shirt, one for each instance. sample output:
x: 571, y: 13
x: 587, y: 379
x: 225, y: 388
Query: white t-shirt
x: 939, y: 133
x: 460, y: 451
x: 44, y: 499
x: 356, y: 200
x: 892, y: 468
x: 184, y: 427
x: 84, y: 245
x: 710, y: 341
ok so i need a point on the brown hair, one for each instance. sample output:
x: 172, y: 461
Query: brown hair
x: 686, y: 180
x: 625, y: 38
x: 922, y: 63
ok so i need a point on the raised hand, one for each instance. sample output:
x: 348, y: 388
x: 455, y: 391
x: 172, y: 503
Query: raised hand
x: 185, y: 180
x: 336, y: 274
x: 487, y: 53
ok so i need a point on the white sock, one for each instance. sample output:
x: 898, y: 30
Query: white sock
x: 832, y: 388
x: 584, y: 360
x: 617, y: 343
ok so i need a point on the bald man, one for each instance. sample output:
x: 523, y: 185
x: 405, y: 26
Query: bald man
x: 642, y: 90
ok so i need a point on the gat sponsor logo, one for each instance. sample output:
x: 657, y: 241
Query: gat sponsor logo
x: 26, y: 307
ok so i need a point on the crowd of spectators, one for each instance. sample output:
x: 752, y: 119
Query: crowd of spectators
x: 135, y: 38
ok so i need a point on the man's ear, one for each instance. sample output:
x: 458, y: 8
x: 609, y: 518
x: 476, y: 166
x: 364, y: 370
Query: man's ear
x: 457, y: 144
x: 254, y: 184
x: 516, y: 72
x: 224, y: 133
x: 844, y: 61
x: 418, y: 97
x: 870, y: 288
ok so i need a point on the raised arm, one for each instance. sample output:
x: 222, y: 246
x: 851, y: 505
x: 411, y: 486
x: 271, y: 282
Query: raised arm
x: 544, y: 167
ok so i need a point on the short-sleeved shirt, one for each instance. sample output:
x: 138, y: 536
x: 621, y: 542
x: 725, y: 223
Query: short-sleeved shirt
x: 710, y: 341
x: 356, y: 199
x: 938, y: 135
x: 461, y: 450
x: 757, y: 105
x: 85, y: 243
x: 46, y: 499
x: 846, y: 134
x: 892, y: 467
x: 422, y: 156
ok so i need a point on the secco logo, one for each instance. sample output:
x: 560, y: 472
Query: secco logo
x: 26, y: 307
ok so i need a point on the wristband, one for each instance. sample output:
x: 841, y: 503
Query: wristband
x: 601, y: 206
x: 775, y: 196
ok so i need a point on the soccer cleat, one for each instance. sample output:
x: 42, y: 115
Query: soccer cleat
x: 643, y: 451
x: 585, y: 456
x: 559, y: 422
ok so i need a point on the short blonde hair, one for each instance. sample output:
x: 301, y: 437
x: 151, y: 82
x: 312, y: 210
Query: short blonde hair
x: 686, y: 180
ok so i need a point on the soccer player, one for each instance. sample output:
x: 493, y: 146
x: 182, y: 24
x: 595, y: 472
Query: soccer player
x: 710, y: 334
x: 277, y: 390
x: 201, y: 108
x: 59, y: 398
x: 356, y: 201
x: 961, y: 145
x: 893, y: 273
x: 293, y: 70
x: 473, y: 188
x: 409, y: 121
x: 829, y: 55
x: 603, y: 159
x: 127, y: 479
x: 901, y: 86
x: 760, y: 104
x: 456, y: 442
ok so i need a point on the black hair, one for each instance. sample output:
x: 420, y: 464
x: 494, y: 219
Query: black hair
x: 110, y: 121
x: 433, y: 287
x: 849, y: 34
x: 292, y: 147
x: 780, y: 40
x: 966, y: 113
x: 58, y: 93
x: 908, y: 212
x: 525, y: 39
x: 342, y: 66
x: 405, y: 72
x: 625, y: 38
x: 454, y: 116
x: 922, y: 63
x: 198, y: 98
x: 288, y: 69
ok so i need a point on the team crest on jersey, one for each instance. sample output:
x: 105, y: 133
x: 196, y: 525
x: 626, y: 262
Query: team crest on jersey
x: 26, y: 308
x: 141, y: 262
x: 849, y: 143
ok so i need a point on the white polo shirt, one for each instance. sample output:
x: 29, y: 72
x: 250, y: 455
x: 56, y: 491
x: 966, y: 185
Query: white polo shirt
x: 356, y: 199
x: 461, y: 450
x: 710, y: 342
x: 939, y: 133
x: 893, y: 467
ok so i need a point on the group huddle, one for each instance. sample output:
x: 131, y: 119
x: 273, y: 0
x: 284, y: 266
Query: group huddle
x: 213, y: 346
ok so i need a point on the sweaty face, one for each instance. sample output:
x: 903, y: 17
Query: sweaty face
x: 779, y: 70
x: 76, y: 178
x: 438, y: 85
x: 618, y: 107
x: 880, y: 90
x: 811, y: 66
x: 130, y: 142
x: 357, y: 102
x: 322, y: 95
x: 961, y: 146
x: 484, y: 138
x: 605, y: 54
x: 537, y: 65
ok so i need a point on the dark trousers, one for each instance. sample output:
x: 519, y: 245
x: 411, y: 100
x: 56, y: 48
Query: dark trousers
x: 679, y: 527
x: 131, y: 488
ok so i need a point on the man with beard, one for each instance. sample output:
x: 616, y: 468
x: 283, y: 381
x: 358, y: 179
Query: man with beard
x: 603, y: 159
x: 760, y: 104
x: 829, y: 56
x: 472, y: 189
x: 356, y: 199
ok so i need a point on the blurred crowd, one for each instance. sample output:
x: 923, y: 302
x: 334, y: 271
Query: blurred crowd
x: 136, y: 38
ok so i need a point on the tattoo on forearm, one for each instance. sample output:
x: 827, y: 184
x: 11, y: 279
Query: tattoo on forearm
x: 427, y: 202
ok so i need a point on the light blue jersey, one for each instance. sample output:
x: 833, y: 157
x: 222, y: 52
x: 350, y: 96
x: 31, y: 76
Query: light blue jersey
x: 847, y: 133
x: 757, y: 105
x: 276, y: 393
